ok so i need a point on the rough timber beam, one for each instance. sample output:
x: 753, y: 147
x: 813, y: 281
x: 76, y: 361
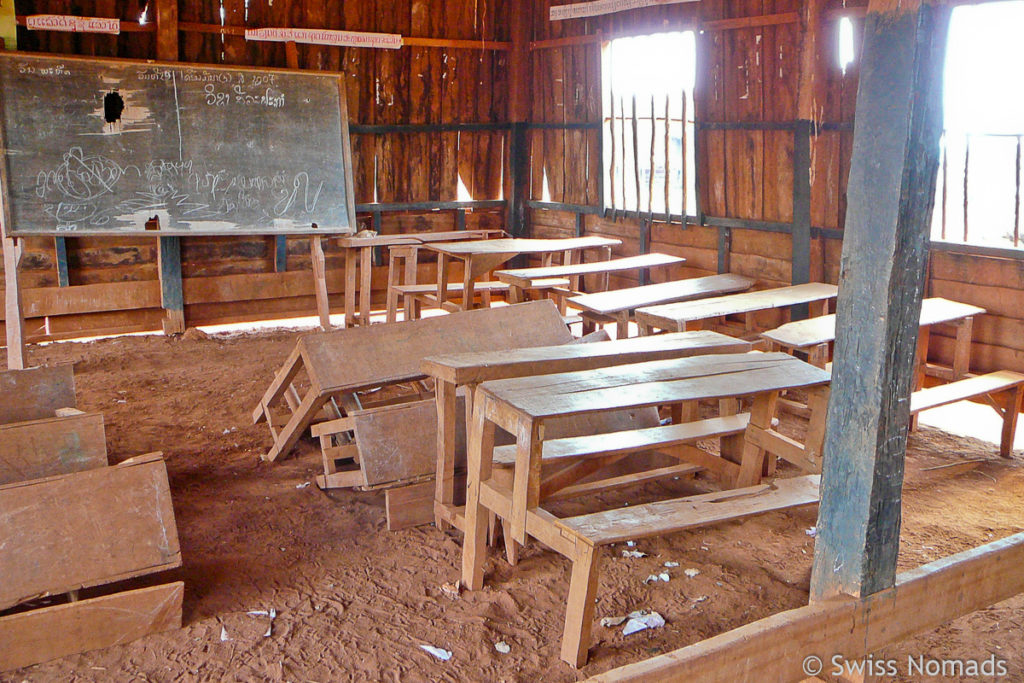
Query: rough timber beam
x: 890, y: 197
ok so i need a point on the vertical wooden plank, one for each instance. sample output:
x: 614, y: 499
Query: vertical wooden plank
x: 14, y: 324
x: 891, y: 195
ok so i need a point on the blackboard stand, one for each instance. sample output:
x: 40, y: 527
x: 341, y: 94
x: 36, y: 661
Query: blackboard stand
x: 13, y: 321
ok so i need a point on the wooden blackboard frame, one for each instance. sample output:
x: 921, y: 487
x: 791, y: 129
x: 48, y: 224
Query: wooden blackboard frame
x: 11, y: 231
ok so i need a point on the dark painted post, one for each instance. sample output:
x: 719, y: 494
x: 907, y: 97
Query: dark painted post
x: 171, y: 294
x: 890, y: 198
x: 801, y: 265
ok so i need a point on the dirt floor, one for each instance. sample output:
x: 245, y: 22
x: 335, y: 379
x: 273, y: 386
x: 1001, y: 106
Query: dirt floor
x: 356, y: 602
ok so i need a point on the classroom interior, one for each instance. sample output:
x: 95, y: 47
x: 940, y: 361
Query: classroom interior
x: 609, y: 340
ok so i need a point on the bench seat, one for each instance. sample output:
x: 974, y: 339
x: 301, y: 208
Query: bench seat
x: 622, y: 443
x: 1003, y: 382
x: 668, y: 516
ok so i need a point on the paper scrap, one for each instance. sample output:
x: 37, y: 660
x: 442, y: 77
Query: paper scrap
x: 643, y: 622
x: 303, y: 485
x: 663, y: 576
x: 224, y: 635
x: 502, y: 647
x: 609, y: 622
x: 812, y: 532
x: 443, y: 655
x: 690, y: 573
x: 671, y: 564
x: 634, y: 553
x: 452, y: 590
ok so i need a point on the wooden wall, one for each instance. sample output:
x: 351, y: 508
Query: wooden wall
x: 750, y: 73
x: 455, y: 72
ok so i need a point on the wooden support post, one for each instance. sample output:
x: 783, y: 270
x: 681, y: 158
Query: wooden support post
x: 891, y: 193
x: 801, y: 270
x: 280, y: 253
x: 171, y: 296
x: 724, y: 249
x: 520, y: 32
x: 60, y: 248
x: 15, y: 324
x: 167, y: 30
x: 323, y: 306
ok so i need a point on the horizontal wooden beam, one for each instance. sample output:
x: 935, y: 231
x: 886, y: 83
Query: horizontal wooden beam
x: 407, y: 128
x: 775, y: 648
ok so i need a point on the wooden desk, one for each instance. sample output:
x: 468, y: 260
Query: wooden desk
x: 522, y: 407
x: 483, y: 256
x: 680, y: 316
x: 361, y: 249
x: 814, y: 335
x: 526, y: 278
x: 470, y: 369
x: 619, y: 304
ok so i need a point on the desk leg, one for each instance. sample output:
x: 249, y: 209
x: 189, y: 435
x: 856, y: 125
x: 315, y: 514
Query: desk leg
x: 365, y: 279
x: 444, y: 480
x: 479, y: 460
x: 392, y: 295
x: 817, y: 403
x: 443, y: 262
x: 516, y: 294
x: 1011, y: 413
x: 753, y: 460
x: 622, y: 325
x: 350, y: 287
x: 579, y: 612
x: 468, y: 285
x: 962, y: 352
x: 526, y: 483
x: 923, y: 335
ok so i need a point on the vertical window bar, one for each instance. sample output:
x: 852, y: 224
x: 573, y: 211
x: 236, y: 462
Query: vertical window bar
x: 967, y: 161
x: 1016, y: 203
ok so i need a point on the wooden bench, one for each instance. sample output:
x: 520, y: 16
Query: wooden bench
x: 678, y: 317
x: 1009, y: 385
x: 522, y: 279
x: 619, y: 305
x: 522, y: 406
x: 416, y: 297
x: 332, y: 368
x: 36, y: 393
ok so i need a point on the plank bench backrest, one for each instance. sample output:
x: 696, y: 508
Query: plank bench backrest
x: 364, y: 357
x: 523, y: 276
x: 614, y: 301
x: 36, y: 393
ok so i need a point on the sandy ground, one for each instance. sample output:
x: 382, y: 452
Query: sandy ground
x: 355, y: 602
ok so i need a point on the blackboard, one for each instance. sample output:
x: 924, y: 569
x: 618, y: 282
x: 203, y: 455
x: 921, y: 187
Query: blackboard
x: 99, y: 147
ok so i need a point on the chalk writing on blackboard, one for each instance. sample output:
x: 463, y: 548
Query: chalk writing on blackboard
x: 103, y: 147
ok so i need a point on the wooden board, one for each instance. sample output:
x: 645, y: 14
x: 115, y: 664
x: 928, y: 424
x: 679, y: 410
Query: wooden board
x: 667, y: 316
x: 607, y: 303
x: 57, y: 445
x: 822, y: 329
x: 35, y: 393
x: 86, y: 529
x: 473, y: 368
x: 101, y: 146
x: 525, y: 276
x: 654, y: 383
x: 41, y: 635
x: 364, y: 357
x: 400, y: 442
